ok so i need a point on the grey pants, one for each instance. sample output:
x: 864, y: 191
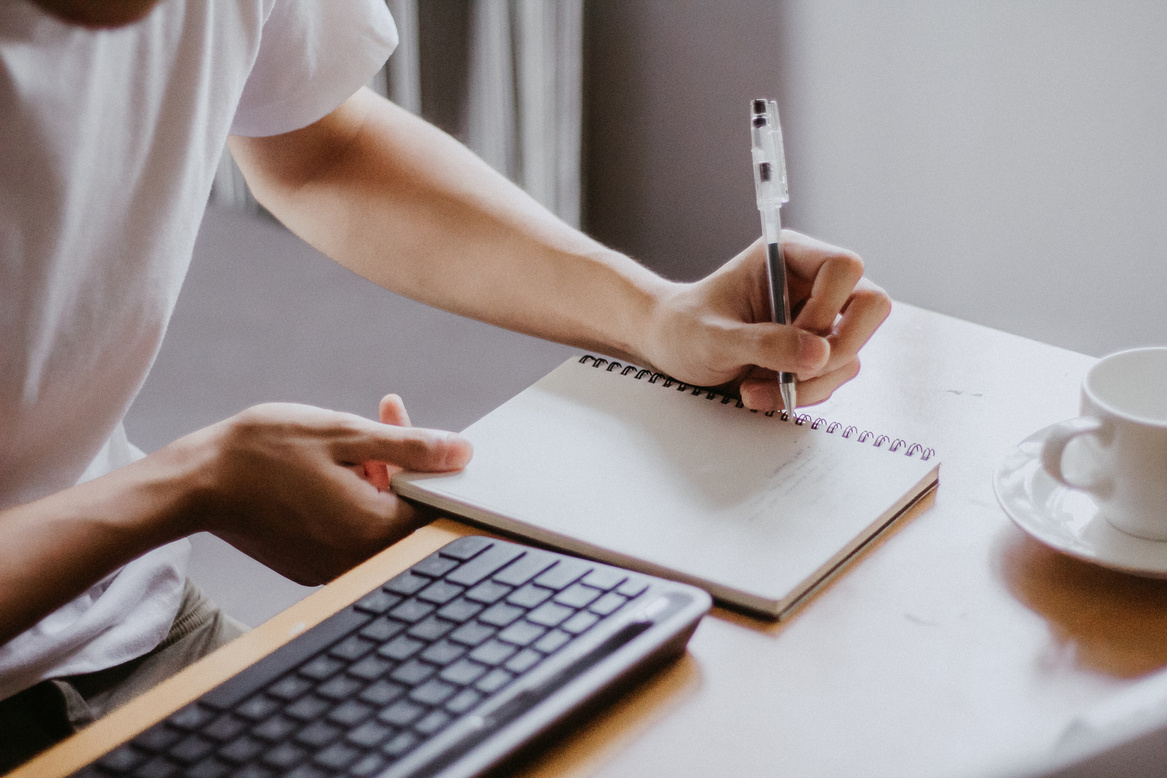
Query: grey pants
x: 44, y: 714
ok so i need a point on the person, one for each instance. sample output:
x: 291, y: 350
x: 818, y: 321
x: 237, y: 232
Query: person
x: 112, y: 119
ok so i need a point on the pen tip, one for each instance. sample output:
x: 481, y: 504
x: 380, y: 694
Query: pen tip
x: 789, y: 399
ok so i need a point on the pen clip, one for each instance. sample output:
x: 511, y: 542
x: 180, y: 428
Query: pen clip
x: 770, y: 182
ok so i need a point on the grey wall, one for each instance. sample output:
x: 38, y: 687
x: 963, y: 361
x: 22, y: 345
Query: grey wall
x: 1005, y: 162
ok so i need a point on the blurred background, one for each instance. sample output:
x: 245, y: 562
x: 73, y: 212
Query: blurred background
x: 1001, y: 162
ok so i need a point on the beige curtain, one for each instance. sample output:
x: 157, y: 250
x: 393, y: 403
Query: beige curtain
x: 505, y: 76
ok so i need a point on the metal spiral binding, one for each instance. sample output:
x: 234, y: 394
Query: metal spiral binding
x: 800, y: 419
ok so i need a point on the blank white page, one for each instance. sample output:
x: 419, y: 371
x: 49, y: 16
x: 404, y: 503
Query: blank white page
x: 752, y: 508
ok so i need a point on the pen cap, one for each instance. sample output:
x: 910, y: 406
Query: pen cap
x: 768, y: 156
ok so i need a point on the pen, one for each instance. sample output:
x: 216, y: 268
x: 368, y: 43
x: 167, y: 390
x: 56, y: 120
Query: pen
x: 772, y: 192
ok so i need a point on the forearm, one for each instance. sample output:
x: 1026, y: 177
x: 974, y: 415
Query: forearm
x: 410, y: 208
x: 55, y: 548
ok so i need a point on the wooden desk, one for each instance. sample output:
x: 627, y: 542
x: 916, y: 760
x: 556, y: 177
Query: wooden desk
x: 957, y: 647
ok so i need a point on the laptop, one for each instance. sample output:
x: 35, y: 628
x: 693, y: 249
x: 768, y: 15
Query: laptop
x: 452, y: 668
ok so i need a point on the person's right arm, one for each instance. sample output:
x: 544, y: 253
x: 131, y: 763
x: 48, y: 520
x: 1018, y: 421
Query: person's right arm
x: 301, y: 489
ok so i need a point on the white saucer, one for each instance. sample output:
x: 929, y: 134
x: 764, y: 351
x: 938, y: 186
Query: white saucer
x: 1067, y: 519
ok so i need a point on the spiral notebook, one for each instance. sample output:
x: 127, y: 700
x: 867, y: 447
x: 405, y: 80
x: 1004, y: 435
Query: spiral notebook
x: 630, y: 467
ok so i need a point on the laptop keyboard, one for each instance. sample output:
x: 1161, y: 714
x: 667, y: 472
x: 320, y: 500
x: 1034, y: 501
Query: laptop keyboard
x: 414, y: 658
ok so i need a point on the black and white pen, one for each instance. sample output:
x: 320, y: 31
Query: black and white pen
x: 772, y: 192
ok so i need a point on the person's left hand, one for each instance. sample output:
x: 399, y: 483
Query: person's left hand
x: 717, y: 331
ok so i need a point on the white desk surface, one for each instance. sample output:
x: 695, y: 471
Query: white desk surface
x: 958, y: 646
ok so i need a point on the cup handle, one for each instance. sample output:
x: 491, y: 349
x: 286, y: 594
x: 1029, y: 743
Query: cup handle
x: 1055, y: 446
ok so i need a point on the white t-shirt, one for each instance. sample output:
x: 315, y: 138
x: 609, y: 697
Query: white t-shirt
x: 109, y: 141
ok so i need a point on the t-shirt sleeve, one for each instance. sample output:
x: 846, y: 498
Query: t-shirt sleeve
x: 313, y: 55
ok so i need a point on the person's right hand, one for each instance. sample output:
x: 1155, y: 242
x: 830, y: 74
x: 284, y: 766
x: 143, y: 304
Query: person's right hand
x: 305, y: 490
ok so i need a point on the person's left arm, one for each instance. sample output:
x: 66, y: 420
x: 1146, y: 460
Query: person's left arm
x: 405, y: 205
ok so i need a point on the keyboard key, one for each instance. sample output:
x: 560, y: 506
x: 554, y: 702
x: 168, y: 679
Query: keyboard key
x: 369, y: 734
x: 413, y: 672
x: 284, y: 756
x: 401, y: 713
x: 565, y: 572
x: 191, y: 717
x: 492, y: 653
x: 412, y: 611
x: 371, y: 764
x: 350, y: 714
x: 523, y: 661
x: 253, y: 771
x: 552, y: 641
x: 529, y: 596
x: 488, y: 592
x: 605, y: 578
x: 525, y: 567
x: 577, y: 596
x: 276, y: 728
x: 158, y: 767
x: 433, y: 723
x: 351, y: 648
x: 400, y: 648
x: 370, y: 668
x: 308, y: 708
x: 321, y: 667
x: 309, y: 771
x: 579, y: 623
x: 226, y: 727
x: 435, y: 566
x: 433, y: 692
x: 442, y: 653
x: 521, y: 633
x: 317, y: 734
x: 122, y: 759
x: 463, y: 701
x: 500, y: 614
x: 431, y: 629
x: 257, y: 708
x: 289, y: 688
x: 484, y: 564
x: 339, y: 688
x: 472, y: 634
x: 440, y: 592
x: 607, y: 604
x: 550, y: 614
x: 243, y: 749
x: 463, y: 672
x: 493, y: 681
x: 209, y: 767
x: 460, y: 610
x: 400, y: 745
x: 466, y: 547
x: 406, y: 583
x: 190, y: 749
x: 337, y: 756
x: 382, y: 693
x: 382, y: 629
x: 377, y: 602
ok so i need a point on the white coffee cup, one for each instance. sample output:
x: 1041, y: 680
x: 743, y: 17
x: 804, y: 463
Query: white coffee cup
x: 1120, y: 442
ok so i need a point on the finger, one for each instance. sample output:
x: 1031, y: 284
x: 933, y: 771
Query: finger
x: 392, y: 411
x: 376, y: 473
x: 820, y: 388
x: 411, y: 448
x: 867, y: 308
x: 830, y: 292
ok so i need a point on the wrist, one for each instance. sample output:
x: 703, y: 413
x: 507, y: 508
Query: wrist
x: 174, y: 487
